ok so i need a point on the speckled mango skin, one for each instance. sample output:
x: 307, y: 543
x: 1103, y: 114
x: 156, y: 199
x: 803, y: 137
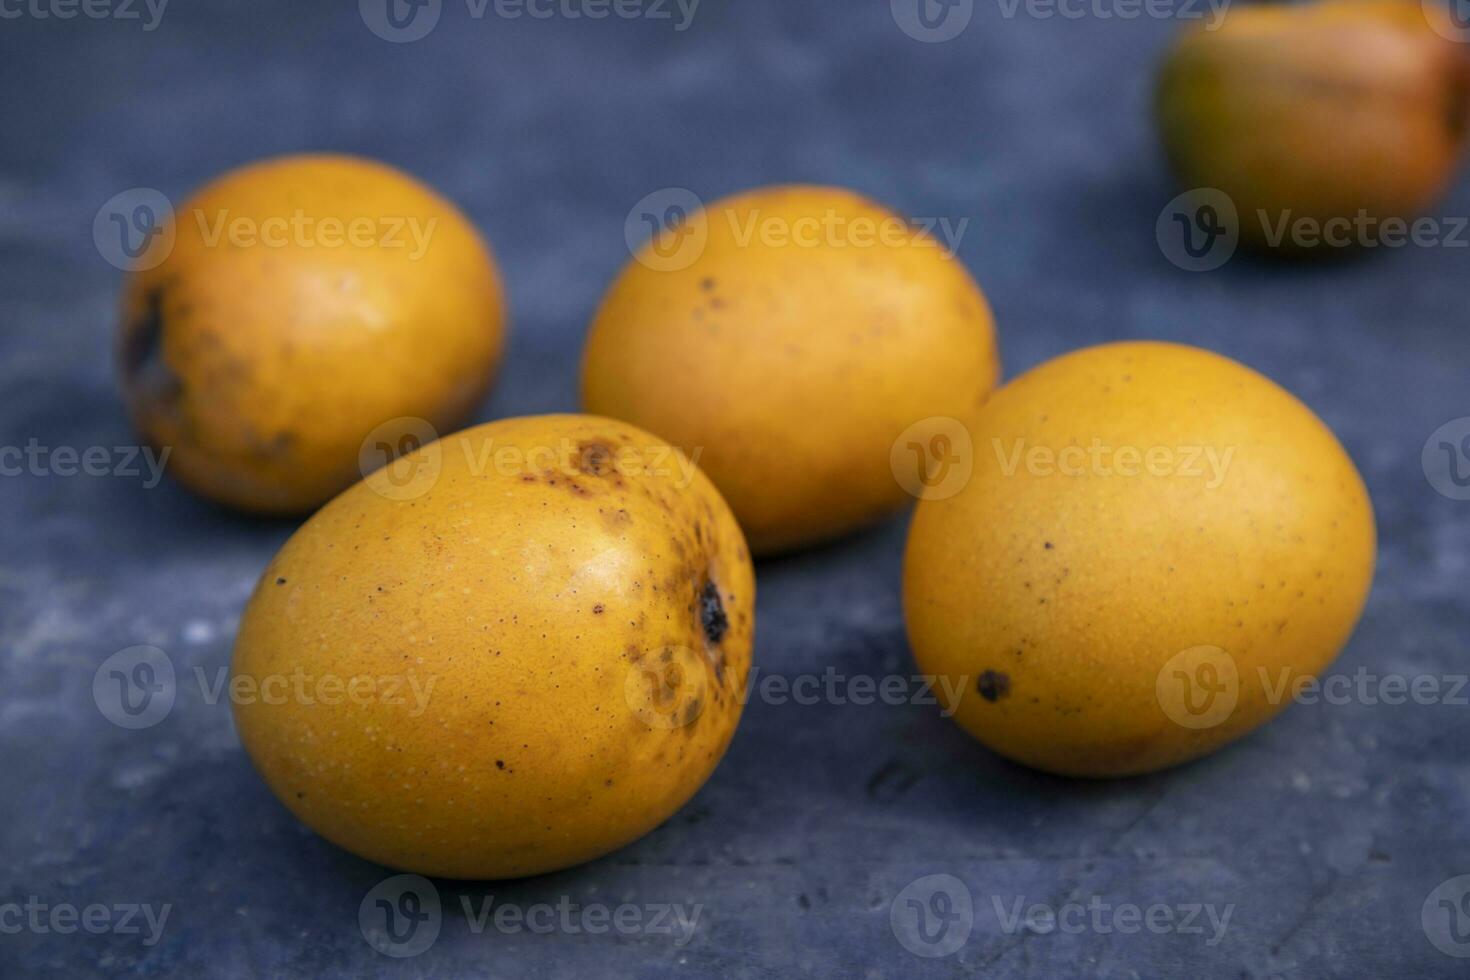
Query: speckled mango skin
x: 265, y: 366
x: 542, y: 603
x: 792, y: 367
x: 1318, y: 110
x: 1055, y: 601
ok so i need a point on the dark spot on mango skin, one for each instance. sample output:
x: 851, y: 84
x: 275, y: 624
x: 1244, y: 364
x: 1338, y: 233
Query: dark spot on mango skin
x: 691, y: 715
x: 712, y: 613
x: 143, y: 364
x: 1458, y: 106
x: 594, y: 458
x: 280, y: 581
x: 994, y: 685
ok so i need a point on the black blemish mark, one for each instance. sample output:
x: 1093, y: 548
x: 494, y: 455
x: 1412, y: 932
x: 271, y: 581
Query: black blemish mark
x: 1459, y: 106
x: 706, y: 284
x: 712, y: 613
x: 142, y: 353
x: 144, y: 341
x: 597, y: 609
x: 280, y: 581
x: 499, y: 763
x: 279, y: 445
x: 892, y: 780
x: 1048, y: 545
x: 993, y: 685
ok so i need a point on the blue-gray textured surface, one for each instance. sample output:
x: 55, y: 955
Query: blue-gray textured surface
x: 1326, y: 831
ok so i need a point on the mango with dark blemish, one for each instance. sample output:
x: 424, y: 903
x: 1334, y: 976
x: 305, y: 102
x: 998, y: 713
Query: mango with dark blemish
x: 518, y: 682
x: 789, y: 341
x: 1340, y: 112
x: 1155, y: 546
x: 305, y: 302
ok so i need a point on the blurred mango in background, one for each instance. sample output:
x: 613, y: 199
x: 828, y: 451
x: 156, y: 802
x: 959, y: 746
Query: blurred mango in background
x: 1321, y: 121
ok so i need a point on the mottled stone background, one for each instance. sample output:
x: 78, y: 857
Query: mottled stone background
x: 1326, y: 831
